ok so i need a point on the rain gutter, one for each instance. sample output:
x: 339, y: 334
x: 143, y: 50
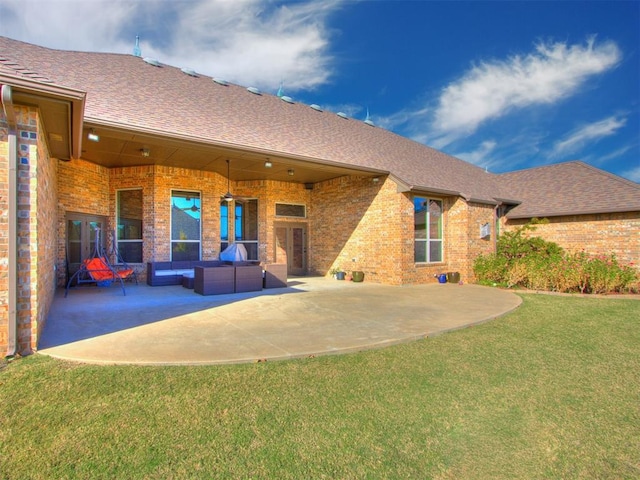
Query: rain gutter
x: 12, y: 301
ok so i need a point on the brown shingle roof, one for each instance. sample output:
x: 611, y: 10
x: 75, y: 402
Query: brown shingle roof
x: 570, y: 188
x: 125, y: 90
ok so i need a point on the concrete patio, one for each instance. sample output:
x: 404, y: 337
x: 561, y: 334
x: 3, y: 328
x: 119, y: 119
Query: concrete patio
x: 313, y: 316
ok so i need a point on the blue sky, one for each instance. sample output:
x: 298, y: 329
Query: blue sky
x: 504, y: 85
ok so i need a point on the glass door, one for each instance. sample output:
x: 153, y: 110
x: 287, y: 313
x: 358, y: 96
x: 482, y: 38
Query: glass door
x: 81, y: 239
x: 291, y: 247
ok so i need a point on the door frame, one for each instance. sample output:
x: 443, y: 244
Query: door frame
x: 86, y: 241
x: 291, y: 269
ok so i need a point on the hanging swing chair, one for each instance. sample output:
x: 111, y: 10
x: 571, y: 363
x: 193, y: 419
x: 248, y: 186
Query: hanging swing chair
x: 98, y: 270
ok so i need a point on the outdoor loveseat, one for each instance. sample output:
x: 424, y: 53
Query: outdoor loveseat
x: 171, y: 273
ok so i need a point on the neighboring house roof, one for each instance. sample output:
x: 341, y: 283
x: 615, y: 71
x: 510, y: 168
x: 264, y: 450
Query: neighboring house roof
x: 571, y: 188
x: 125, y: 90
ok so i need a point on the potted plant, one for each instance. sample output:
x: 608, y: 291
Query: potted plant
x: 357, y: 276
x: 337, y: 273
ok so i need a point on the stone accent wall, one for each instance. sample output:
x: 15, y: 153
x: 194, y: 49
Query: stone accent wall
x: 4, y: 233
x: 606, y: 233
x: 44, y: 183
x: 27, y: 307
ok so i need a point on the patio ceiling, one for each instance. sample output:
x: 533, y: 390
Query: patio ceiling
x: 124, y: 148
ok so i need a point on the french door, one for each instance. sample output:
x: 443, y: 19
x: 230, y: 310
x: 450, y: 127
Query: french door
x: 291, y: 247
x: 81, y: 238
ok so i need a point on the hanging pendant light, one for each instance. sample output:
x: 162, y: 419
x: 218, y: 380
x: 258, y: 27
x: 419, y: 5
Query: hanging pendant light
x: 228, y: 196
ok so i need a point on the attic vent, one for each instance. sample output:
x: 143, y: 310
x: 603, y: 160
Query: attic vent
x: 151, y: 61
x: 286, y: 99
x: 254, y: 90
x: 342, y: 115
x: 316, y: 107
x: 189, y: 71
x: 369, y: 122
x: 220, y: 81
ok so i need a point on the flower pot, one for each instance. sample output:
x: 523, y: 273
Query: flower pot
x: 453, y: 277
x: 340, y: 276
x: 358, y: 276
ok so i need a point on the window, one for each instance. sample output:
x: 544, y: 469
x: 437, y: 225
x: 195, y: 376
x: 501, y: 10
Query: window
x: 129, y: 225
x: 185, y: 225
x: 427, y: 226
x: 245, y: 225
x: 224, y: 225
x: 290, y: 210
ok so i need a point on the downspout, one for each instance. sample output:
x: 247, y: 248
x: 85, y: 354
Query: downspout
x: 496, y: 226
x: 9, y: 112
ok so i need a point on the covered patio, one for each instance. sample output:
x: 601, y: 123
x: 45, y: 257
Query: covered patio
x: 311, y: 316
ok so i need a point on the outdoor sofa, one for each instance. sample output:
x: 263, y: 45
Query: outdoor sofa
x: 170, y: 273
x: 211, y: 277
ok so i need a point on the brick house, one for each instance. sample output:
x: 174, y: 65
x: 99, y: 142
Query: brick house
x: 147, y: 153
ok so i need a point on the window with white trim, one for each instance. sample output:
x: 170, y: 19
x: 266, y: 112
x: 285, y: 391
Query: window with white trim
x: 428, y: 229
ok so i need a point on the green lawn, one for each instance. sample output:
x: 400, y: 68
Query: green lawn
x: 549, y: 391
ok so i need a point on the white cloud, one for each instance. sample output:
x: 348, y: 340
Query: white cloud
x: 480, y: 155
x: 633, y: 174
x: 588, y: 133
x: 492, y: 89
x: 250, y: 42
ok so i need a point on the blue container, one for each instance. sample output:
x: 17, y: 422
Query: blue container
x: 442, y: 278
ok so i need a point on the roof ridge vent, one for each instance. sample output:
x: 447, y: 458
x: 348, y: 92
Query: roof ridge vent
x: 342, y: 115
x: 189, y: 71
x: 220, y: 81
x: 368, y: 120
x: 287, y: 99
x: 152, y: 61
x: 254, y: 90
x: 316, y: 107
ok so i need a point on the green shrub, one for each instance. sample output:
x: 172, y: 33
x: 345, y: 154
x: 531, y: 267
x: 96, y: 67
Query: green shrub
x: 532, y: 262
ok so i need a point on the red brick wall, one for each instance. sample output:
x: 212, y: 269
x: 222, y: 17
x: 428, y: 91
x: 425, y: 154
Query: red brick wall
x: 83, y: 187
x: 37, y: 230
x: 356, y: 224
x: 617, y: 233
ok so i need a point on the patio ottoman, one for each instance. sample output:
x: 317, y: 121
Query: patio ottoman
x: 248, y: 278
x: 188, y: 279
x: 214, y: 280
x: 275, y: 275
